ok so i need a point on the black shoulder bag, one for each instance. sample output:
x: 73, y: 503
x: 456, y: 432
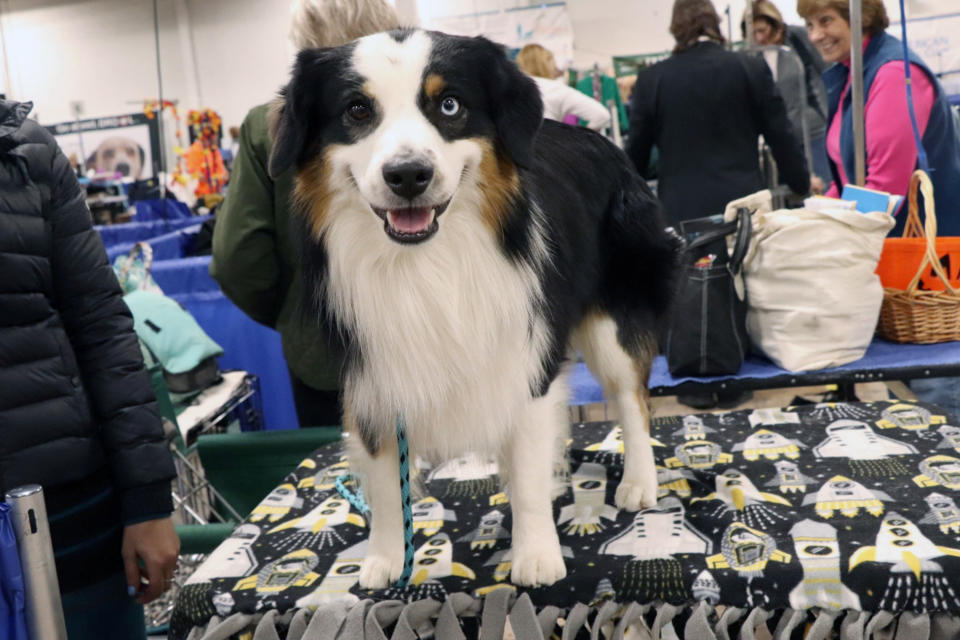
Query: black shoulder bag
x: 708, y: 334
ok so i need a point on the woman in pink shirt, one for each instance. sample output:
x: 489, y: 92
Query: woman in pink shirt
x: 892, y: 153
x: 891, y: 147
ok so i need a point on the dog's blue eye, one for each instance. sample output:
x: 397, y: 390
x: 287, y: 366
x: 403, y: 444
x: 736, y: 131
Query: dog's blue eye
x: 450, y: 106
x: 359, y: 111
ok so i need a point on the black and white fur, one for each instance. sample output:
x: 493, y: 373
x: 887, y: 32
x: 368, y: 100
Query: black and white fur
x: 459, y: 288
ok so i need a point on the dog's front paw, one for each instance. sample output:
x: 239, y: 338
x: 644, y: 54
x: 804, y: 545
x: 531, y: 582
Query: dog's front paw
x: 633, y: 496
x: 379, y: 572
x: 537, y: 565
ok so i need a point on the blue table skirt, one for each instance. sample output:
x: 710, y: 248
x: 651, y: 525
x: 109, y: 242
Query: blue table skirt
x: 247, y: 345
x: 883, y: 361
x: 166, y: 209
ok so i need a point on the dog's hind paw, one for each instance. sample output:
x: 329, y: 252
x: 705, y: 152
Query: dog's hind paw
x: 633, y: 496
x: 379, y: 572
x: 537, y: 565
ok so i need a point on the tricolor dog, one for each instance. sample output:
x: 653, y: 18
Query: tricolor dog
x: 461, y: 247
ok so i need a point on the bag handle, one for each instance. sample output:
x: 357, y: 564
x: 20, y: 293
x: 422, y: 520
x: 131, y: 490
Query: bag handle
x: 743, y: 228
x: 920, y: 182
x: 145, y: 250
x: 718, y: 232
x: 742, y: 243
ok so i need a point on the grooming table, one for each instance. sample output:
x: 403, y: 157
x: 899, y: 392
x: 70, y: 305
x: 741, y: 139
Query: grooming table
x: 883, y: 361
x: 830, y: 514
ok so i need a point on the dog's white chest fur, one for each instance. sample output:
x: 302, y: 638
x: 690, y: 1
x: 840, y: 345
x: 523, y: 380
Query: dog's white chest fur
x: 446, y: 330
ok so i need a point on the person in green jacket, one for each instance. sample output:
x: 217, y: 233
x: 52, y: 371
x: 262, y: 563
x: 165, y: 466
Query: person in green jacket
x: 255, y: 259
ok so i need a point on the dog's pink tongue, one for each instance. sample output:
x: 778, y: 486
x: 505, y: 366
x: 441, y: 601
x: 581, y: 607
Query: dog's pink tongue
x: 412, y: 220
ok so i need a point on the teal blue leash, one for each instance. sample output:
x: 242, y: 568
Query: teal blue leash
x: 404, y: 457
x: 358, y: 501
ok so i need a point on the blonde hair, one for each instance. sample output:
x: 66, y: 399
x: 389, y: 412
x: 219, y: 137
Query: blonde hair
x: 875, y: 17
x: 767, y: 12
x: 534, y: 60
x: 331, y: 23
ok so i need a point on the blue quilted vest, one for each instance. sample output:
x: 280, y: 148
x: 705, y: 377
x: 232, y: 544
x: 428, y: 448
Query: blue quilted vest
x: 940, y: 138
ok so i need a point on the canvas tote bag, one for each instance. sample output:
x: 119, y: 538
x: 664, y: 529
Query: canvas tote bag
x: 813, y: 294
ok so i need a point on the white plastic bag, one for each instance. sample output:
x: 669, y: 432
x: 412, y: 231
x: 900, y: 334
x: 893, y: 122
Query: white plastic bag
x: 813, y: 298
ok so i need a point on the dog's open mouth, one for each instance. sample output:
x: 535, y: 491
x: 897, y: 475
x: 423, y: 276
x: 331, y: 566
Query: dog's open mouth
x: 411, y: 225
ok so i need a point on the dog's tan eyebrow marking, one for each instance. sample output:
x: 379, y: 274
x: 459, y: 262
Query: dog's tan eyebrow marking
x: 433, y: 85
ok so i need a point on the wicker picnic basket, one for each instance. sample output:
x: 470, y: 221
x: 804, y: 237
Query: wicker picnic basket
x: 912, y: 315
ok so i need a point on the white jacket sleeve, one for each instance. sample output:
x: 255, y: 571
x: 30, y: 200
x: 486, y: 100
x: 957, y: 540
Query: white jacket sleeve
x: 584, y: 107
x: 560, y: 99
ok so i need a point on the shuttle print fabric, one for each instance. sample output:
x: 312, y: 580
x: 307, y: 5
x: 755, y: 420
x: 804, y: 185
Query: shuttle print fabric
x: 827, y: 507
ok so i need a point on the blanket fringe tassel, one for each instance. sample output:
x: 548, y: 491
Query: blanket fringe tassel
x: 369, y: 620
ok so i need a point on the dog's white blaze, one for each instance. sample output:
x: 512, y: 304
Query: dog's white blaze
x: 443, y: 327
x: 393, y: 73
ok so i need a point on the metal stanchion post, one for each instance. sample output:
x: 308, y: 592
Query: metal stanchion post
x: 28, y: 514
x: 856, y: 91
x: 615, y: 133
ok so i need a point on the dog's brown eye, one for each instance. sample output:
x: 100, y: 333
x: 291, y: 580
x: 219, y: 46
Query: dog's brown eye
x: 359, y: 111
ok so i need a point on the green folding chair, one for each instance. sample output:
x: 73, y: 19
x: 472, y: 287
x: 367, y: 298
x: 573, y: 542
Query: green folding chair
x: 243, y: 468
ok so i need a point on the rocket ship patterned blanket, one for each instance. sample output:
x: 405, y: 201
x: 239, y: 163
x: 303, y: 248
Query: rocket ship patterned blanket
x: 848, y: 506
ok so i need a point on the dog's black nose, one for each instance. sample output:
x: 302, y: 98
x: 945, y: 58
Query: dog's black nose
x: 123, y: 168
x: 408, y: 179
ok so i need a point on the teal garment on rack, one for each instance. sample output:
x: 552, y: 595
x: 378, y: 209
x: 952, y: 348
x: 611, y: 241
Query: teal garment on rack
x: 608, y: 91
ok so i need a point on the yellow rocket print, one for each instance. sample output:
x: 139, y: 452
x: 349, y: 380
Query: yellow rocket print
x: 429, y: 516
x: 939, y: 470
x: 277, y: 504
x: 848, y: 497
x: 908, y: 417
x: 698, y: 454
x: 292, y: 570
x: 331, y: 512
x: 747, y: 551
x: 434, y: 560
x: 613, y: 442
x: 767, y: 444
x: 326, y: 478
x: 900, y: 543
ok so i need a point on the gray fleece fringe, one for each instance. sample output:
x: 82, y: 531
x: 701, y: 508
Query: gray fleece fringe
x: 366, y: 620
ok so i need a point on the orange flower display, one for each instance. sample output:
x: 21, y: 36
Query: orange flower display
x: 203, y: 158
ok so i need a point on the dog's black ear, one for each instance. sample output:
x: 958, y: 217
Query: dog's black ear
x: 291, y: 116
x: 142, y: 155
x: 516, y: 105
x: 287, y: 136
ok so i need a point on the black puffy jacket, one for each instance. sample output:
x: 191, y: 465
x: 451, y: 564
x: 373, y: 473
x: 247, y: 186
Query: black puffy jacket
x: 77, y: 414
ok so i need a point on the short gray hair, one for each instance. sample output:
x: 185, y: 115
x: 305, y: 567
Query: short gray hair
x: 331, y: 23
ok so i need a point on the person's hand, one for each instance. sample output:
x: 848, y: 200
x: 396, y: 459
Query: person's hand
x: 816, y: 185
x: 154, y: 544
